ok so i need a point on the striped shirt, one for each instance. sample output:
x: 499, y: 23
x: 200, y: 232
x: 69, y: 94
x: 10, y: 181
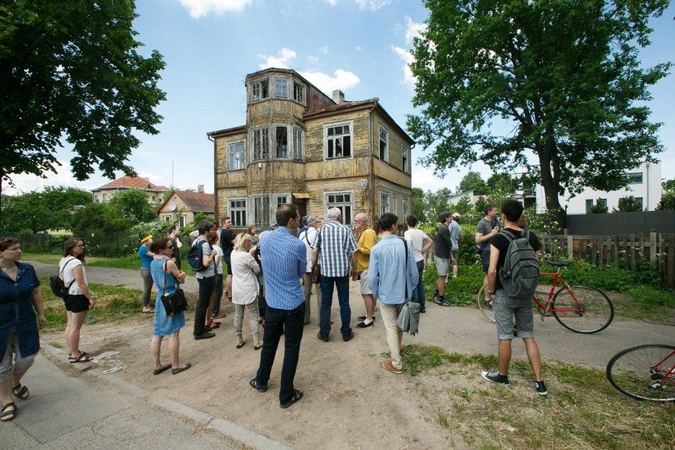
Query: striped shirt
x: 284, y: 262
x: 336, y: 243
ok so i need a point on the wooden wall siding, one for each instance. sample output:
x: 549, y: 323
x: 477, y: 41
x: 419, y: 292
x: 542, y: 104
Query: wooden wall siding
x: 221, y: 151
x: 314, y: 144
x: 270, y: 111
x: 396, y: 143
x: 386, y: 172
x: 338, y: 169
x: 316, y: 99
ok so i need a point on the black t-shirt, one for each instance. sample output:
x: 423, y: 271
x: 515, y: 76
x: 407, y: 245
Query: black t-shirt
x: 501, y: 243
x: 227, y: 243
x: 443, y: 243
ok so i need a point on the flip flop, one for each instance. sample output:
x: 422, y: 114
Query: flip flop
x: 6, y: 413
x: 82, y: 357
x: 297, y: 395
x: 181, y: 369
x: 257, y: 386
x: 148, y: 311
x: 20, y: 392
x: 161, y: 369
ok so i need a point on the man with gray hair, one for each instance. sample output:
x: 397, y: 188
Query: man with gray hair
x: 308, y: 237
x: 336, y: 253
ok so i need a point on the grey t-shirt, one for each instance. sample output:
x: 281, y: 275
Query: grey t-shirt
x: 206, y: 249
x: 486, y: 227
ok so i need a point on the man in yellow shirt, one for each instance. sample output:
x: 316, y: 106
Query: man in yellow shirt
x: 367, y: 240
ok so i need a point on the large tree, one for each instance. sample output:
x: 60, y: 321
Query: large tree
x: 472, y: 182
x: 70, y: 71
x: 553, y: 89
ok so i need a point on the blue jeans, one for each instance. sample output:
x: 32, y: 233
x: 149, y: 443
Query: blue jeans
x: 291, y: 323
x: 418, y: 297
x: 342, y: 284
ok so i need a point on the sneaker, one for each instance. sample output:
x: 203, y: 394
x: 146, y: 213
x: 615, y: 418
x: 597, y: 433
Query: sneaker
x: 447, y: 303
x: 496, y: 377
x: 540, y: 387
x: 438, y: 300
x: 487, y: 303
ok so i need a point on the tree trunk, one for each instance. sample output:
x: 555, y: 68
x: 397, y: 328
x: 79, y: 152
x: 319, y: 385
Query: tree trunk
x: 550, y: 179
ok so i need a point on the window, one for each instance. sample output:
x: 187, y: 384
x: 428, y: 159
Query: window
x: 298, y: 143
x: 105, y: 198
x: 404, y: 151
x: 237, y: 210
x: 634, y: 178
x: 338, y: 141
x: 384, y: 203
x: 281, y: 88
x: 235, y: 156
x: 281, y: 200
x: 260, y: 89
x: 405, y: 208
x: 384, y: 144
x: 299, y: 93
x: 261, y: 212
x: 167, y: 218
x: 182, y: 221
x: 639, y: 201
x: 282, y: 142
x: 343, y: 201
x: 589, y: 206
x: 394, y: 204
x: 96, y: 200
x: 261, y: 144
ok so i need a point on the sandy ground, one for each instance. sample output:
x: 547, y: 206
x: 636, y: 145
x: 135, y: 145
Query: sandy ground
x: 350, y: 400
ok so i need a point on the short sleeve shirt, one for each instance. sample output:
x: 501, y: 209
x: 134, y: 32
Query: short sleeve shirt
x: 501, y: 243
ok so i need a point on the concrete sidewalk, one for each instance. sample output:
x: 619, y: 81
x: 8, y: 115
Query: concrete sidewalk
x: 69, y: 410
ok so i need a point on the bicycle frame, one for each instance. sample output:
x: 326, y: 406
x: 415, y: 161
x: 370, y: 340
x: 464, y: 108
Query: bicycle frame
x: 659, y: 373
x: 545, y: 307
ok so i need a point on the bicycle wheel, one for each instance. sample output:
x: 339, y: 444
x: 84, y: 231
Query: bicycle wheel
x: 485, y: 308
x: 582, y: 309
x: 646, y: 372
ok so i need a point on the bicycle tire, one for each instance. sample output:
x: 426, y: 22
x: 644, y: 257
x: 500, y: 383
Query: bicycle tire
x: 486, y: 310
x: 597, y: 312
x: 633, y: 372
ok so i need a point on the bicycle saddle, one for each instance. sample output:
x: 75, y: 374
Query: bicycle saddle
x: 560, y: 263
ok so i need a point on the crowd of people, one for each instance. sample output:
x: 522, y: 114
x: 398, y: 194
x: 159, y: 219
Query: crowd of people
x: 294, y: 255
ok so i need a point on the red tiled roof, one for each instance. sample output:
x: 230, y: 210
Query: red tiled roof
x: 132, y: 182
x: 198, y: 201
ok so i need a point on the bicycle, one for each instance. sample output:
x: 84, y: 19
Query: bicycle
x: 579, y: 308
x: 645, y: 372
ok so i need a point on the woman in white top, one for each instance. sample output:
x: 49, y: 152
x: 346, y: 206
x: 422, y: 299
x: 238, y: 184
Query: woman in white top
x: 79, y: 299
x: 245, y: 288
x: 214, y: 304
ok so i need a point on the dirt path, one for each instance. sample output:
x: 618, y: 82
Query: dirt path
x: 350, y: 400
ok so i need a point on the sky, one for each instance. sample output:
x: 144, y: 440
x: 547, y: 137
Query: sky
x: 358, y: 46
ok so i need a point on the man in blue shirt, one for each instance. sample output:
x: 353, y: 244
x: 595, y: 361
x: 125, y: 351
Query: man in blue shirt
x: 284, y: 262
x: 392, y: 278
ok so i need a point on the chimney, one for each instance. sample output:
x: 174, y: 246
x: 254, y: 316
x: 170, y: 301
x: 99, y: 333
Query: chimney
x: 200, y: 188
x: 338, y: 96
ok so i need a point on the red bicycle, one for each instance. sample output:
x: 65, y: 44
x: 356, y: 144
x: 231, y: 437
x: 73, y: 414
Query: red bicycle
x: 579, y: 308
x: 645, y: 372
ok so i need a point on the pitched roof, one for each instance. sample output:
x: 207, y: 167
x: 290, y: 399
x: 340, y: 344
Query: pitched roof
x: 195, y: 201
x: 127, y: 182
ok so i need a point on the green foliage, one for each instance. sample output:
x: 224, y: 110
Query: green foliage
x: 133, y: 205
x: 417, y: 203
x: 610, y: 277
x: 71, y: 72
x: 473, y: 182
x: 98, y: 216
x: 600, y: 207
x: 541, y: 223
x: 436, y: 203
x: 562, y: 82
x: 668, y: 185
x: 629, y: 204
x: 156, y: 228
x: 667, y: 201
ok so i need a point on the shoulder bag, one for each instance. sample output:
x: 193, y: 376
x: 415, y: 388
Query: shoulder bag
x: 409, y: 317
x: 173, y: 303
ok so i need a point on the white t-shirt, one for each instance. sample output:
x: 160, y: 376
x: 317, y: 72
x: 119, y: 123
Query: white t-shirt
x: 416, y: 237
x: 219, y: 257
x: 309, y: 239
x: 68, y: 274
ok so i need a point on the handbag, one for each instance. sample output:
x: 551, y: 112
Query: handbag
x: 173, y: 303
x: 409, y: 316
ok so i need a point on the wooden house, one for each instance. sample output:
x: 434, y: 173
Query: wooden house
x: 181, y: 206
x: 301, y: 146
x: 104, y: 193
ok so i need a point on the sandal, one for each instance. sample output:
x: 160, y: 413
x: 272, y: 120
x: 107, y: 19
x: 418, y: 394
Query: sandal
x: 6, y: 413
x: 20, y: 392
x: 297, y: 395
x: 257, y: 386
x: 82, y: 357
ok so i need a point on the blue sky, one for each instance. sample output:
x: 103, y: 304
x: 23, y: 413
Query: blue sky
x: 358, y: 46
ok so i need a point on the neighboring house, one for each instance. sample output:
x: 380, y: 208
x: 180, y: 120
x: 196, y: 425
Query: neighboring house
x: 645, y: 186
x: 300, y: 146
x: 181, y: 206
x: 106, y: 192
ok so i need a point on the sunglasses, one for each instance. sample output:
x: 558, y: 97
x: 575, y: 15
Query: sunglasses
x: 170, y: 247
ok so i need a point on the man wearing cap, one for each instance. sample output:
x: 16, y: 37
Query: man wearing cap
x: 308, y: 237
x: 455, y: 233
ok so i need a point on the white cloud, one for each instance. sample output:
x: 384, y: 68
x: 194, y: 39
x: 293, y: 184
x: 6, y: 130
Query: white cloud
x: 341, y: 80
x: 198, y: 8
x: 324, y: 50
x: 412, y: 30
x: 281, y: 61
x: 373, y: 5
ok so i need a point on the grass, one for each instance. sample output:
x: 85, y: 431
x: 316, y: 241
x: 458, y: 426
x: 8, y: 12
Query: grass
x: 131, y: 262
x: 581, y: 411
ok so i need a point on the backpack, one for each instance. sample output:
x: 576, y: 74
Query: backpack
x: 520, y: 274
x: 57, y: 285
x: 194, y: 256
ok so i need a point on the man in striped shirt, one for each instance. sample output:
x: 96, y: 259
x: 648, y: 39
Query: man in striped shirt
x: 336, y: 250
x: 284, y: 262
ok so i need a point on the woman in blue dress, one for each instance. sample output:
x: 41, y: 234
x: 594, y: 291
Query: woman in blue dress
x: 20, y: 298
x: 166, y: 277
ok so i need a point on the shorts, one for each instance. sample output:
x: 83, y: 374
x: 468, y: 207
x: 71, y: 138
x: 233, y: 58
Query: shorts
x: 228, y: 263
x: 76, y: 303
x: 441, y: 266
x: 454, y: 255
x: 505, y: 309
x: 365, y: 288
x: 485, y: 258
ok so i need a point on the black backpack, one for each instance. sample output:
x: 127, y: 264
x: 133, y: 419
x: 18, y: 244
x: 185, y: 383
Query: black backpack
x: 57, y: 285
x: 194, y: 256
x: 520, y: 274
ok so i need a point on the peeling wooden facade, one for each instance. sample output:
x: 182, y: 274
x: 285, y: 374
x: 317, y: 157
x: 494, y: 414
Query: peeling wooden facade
x: 300, y: 146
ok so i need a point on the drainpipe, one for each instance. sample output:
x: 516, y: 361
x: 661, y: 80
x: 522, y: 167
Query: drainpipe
x: 215, y: 178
